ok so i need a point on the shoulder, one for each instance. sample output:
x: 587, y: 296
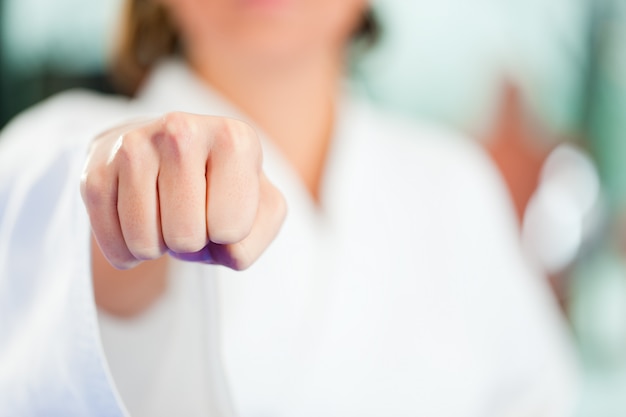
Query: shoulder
x: 70, y: 108
x: 64, y: 121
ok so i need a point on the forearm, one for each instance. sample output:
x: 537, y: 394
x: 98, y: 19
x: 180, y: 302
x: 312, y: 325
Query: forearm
x: 126, y: 293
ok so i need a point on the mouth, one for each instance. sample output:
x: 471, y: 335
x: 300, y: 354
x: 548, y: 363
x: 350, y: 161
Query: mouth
x: 266, y: 6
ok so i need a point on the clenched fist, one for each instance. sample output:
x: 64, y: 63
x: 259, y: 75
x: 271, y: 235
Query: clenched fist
x: 190, y: 185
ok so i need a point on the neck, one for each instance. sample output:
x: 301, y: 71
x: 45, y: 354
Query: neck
x: 293, y: 104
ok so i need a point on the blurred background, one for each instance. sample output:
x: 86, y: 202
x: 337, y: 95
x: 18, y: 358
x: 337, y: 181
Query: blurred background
x: 541, y: 84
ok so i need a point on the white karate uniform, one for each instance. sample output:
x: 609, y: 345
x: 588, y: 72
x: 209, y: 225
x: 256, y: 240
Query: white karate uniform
x: 403, y: 293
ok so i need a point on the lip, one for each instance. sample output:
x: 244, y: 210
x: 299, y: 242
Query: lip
x: 267, y: 6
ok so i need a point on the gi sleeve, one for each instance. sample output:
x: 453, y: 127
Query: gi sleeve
x: 51, y: 359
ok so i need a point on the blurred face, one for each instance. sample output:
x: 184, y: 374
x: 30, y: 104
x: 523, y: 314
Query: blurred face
x: 265, y: 29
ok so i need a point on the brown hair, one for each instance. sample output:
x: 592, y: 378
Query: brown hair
x: 147, y: 35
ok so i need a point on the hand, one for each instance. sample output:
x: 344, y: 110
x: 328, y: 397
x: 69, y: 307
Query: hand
x: 186, y: 184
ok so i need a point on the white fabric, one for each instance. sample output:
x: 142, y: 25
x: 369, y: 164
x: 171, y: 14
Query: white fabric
x: 403, y: 293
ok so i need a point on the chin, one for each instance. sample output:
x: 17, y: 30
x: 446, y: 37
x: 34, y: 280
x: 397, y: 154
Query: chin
x: 275, y: 47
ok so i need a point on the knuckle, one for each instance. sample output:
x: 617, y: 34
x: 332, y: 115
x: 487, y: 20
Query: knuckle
x: 95, y: 186
x: 229, y: 235
x: 132, y: 149
x: 145, y: 252
x: 277, y: 204
x: 175, y: 123
x: 280, y: 205
x: 120, y: 260
x: 124, y: 264
x: 175, y: 135
x: 185, y: 244
x: 240, y: 258
x: 234, y: 256
x: 238, y: 137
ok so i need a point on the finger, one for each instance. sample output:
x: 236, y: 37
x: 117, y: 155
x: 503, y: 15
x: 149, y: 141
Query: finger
x: 138, y: 203
x: 270, y: 215
x: 99, y: 189
x: 233, y: 182
x: 181, y: 183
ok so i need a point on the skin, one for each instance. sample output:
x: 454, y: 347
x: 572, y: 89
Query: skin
x: 192, y: 186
